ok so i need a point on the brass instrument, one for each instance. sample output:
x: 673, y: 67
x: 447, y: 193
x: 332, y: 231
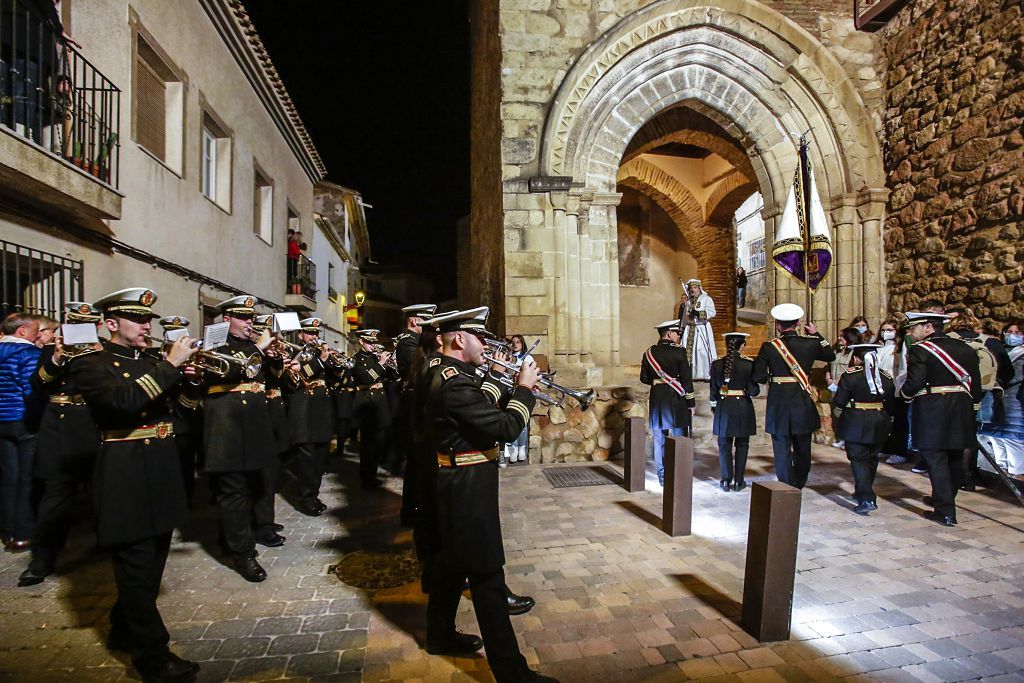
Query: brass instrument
x: 584, y: 398
x: 392, y: 361
x: 337, y: 358
x: 215, y: 362
x: 70, y: 351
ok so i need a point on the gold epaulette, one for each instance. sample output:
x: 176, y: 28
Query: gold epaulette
x: 434, y: 362
x: 855, y: 368
x: 448, y: 373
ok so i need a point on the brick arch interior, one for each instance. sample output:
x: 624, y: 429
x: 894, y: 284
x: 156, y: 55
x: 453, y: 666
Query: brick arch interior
x: 712, y: 246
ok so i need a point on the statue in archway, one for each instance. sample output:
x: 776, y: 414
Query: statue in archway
x: 695, y: 310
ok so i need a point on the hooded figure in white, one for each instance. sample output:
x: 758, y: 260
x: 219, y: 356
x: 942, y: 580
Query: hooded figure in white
x: 697, y: 337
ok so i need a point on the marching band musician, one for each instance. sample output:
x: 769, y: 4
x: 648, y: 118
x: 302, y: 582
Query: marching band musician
x: 265, y: 527
x: 406, y: 345
x: 944, y: 385
x: 372, y: 411
x: 238, y: 438
x: 731, y: 391
x: 671, y: 403
x: 866, y: 396
x: 310, y: 419
x: 791, y: 416
x: 138, y: 492
x: 695, y: 311
x: 65, y: 450
x: 187, y: 420
x: 465, y: 426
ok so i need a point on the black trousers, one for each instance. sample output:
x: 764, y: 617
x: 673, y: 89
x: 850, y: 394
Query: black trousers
x: 53, y: 522
x: 792, y: 458
x: 732, y: 470
x: 863, y: 459
x: 263, y: 504
x: 374, y: 419
x: 309, y: 462
x: 237, y: 493
x: 188, y: 450
x: 946, y: 471
x: 490, y: 603
x: 138, y: 569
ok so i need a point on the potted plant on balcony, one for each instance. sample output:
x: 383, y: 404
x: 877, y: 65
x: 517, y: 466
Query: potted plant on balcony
x: 101, y: 167
x: 295, y: 286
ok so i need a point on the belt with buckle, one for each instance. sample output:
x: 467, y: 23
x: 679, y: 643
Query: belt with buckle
x: 273, y: 393
x: 877, y: 405
x: 784, y: 380
x: 315, y: 384
x: 73, y: 400
x: 954, y: 389
x: 254, y: 387
x: 467, y: 458
x: 370, y: 387
x: 732, y: 392
x: 160, y: 430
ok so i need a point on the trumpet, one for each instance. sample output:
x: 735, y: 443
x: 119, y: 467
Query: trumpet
x: 560, y: 392
x: 75, y: 350
x: 302, y: 353
x: 215, y: 362
x: 392, y: 362
x: 337, y: 358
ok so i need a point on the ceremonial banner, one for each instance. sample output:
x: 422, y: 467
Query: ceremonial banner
x: 802, y: 245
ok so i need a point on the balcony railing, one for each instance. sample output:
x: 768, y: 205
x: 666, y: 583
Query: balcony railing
x: 302, y: 277
x: 35, y: 281
x: 51, y: 95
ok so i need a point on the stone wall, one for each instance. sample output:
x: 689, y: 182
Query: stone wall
x: 954, y: 153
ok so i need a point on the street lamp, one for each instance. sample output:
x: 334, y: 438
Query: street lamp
x: 360, y: 298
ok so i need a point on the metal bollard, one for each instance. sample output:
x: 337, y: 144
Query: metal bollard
x: 635, y: 458
x: 772, y: 536
x: 677, y: 500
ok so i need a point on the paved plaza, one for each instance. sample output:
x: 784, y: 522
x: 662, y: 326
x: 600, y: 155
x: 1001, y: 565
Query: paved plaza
x: 890, y: 597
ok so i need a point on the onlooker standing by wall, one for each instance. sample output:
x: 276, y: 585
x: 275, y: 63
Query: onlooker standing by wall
x: 1006, y: 441
x: 19, y: 357
x: 887, y: 338
x: 294, y: 251
x: 860, y: 323
x: 519, y: 450
x: 741, y: 287
x: 848, y: 337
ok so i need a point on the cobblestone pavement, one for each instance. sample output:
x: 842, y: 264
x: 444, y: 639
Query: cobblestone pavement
x: 890, y: 597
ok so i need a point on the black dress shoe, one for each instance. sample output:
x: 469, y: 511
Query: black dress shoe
x: 173, y: 669
x: 944, y: 520
x: 33, y: 576
x: 929, y: 501
x: 520, y: 604
x: 724, y: 485
x: 308, y: 508
x: 455, y: 644
x: 863, y: 508
x: 250, y: 569
x: 739, y: 485
x: 322, y: 506
x: 270, y: 539
x: 277, y: 527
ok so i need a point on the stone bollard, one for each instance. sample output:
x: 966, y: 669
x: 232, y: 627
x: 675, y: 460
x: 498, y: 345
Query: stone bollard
x: 772, y: 536
x: 677, y: 500
x: 635, y: 457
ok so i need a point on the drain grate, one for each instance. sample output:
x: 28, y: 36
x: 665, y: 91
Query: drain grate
x: 571, y: 477
x: 365, y: 569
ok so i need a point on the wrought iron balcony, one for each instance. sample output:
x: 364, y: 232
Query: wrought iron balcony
x: 53, y: 97
x: 301, y: 292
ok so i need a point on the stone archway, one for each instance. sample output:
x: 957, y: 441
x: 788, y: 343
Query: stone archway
x: 761, y: 78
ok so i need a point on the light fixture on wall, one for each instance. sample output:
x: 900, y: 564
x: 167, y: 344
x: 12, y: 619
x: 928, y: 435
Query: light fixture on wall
x: 360, y: 298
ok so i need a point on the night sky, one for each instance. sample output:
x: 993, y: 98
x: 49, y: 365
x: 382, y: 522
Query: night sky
x: 384, y: 90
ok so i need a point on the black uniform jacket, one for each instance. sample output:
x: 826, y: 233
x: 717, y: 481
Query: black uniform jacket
x: 942, y: 421
x: 464, y: 419
x: 426, y: 534
x: 790, y: 409
x: 372, y: 404
x: 405, y: 350
x: 68, y: 437
x: 138, y: 491
x: 343, y: 387
x: 734, y: 415
x: 667, y: 409
x: 310, y: 406
x: 238, y: 434
x: 273, y: 369
x: 864, y: 425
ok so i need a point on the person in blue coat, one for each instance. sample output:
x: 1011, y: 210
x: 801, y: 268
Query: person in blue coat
x: 732, y: 387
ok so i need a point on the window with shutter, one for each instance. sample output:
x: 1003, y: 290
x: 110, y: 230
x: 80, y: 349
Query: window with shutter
x: 151, y: 111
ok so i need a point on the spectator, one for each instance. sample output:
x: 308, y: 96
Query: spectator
x: 47, y: 330
x: 848, y: 336
x: 518, y: 450
x: 19, y: 357
x: 860, y: 323
x: 741, y: 287
x: 1006, y: 441
x: 887, y: 338
x: 294, y: 251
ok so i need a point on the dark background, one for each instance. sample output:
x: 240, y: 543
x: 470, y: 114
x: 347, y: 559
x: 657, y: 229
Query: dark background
x: 384, y: 90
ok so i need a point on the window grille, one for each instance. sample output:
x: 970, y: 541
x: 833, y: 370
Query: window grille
x: 35, y: 281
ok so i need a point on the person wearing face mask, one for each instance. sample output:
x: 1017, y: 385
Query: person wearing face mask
x: 1006, y: 441
x: 860, y: 323
x: 848, y: 337
x: 894, y: 450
